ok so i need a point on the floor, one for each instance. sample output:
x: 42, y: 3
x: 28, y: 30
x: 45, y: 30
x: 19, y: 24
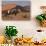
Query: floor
x: 31, y: 45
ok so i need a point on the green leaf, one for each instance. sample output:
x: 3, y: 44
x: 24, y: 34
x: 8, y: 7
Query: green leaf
x: 11, y: 31
x: 40, y: 18
x: 45, y: 17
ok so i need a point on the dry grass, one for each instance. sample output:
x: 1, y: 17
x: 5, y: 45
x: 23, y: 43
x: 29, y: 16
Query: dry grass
x: 18, y: 16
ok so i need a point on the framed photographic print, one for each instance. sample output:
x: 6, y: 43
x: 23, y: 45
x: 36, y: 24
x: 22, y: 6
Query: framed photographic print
x: 16, y: 10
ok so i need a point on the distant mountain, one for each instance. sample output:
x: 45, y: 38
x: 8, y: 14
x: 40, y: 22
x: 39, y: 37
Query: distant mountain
x: 18, y: 7
x: 22, y: 8
x: 27, y: 8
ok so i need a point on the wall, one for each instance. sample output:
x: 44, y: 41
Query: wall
x: 27, y: 28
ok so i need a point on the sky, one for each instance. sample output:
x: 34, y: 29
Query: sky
x: 16, y: 0
x: 23, y: 3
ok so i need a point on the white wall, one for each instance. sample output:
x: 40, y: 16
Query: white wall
x: 27, y: 28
